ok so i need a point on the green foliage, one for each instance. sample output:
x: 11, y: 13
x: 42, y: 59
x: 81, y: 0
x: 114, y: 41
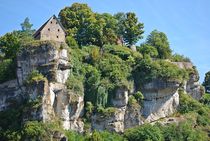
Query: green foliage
x: 160, y: 42
x: 187, y: 103
x: 133, y: 29
x: 205, y: 99
x: 9, y: 45
x: 179, y: 58
x: 132, y: 101
x: 7, y: 70
x: 71, y: 42
x: 75, y: 84
x: 105, y: 136
x: 147, y: 70
x: 184, y: 131
x: 74, y: 136
x: 33, y: 130
x: 206, y: 82
x: 34, y: 77
x: 123, y: 52
x: 26, y: 25
x: 148, y: 50
x: 106, y: 111
x: 79, y: 21
x: 146, y: 132
x: 139, y: 97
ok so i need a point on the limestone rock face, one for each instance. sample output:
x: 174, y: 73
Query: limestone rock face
x: 112, y: 122
x: 123, y: 116
x: 10, y: 94
x: 161, y: 99
x: 55, y: 100
x: 191, y: 86
x: 133, y: 117
x: 47, y: 57
x: 120, y: 98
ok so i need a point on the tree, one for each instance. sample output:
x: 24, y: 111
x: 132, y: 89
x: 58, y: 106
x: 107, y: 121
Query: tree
x: 133, y: 29
x: 79, y: 21
x: 148, y: 50
x: 105, y: 29
x: 120, y: 17
x: 9, y: 45
x: 206, y: 82
x: 26, y: 25
x: 159, y: 40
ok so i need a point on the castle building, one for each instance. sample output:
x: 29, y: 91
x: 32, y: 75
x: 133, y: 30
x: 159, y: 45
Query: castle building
x: 51, y: 30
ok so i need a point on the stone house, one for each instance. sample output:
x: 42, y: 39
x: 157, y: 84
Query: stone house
x: 51, y: 30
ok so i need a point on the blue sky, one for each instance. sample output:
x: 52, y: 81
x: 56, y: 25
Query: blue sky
x: 186, y: 22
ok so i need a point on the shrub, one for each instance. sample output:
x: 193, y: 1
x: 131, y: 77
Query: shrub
x: 139, y: 96
x: 205, y: 99
x: 187, y: 103
x: 34, y: 76
x: 179, y: 58
x: 74, y: 136
x: 132, y: 101
x: 7, y: 70
x: 144, y: 133
x: 71, y: 42
x: 75, y: 84
x: 33, y: 130
x: 147, y: 70
x: 183, y: 131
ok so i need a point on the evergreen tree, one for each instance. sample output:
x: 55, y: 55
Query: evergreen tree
x: 26, y: 25
x: 159, y: 40
x: 133, y: 29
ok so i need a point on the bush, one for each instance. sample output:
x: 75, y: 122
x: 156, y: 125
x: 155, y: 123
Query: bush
x: 187, y: 103
x: 7, y: 70
x: 71, y: 42
x: 33, y: 130
x: 75, y: 84
x: 147, y: 70
x: 139, y: 97
x: 34, y: 76
x: 205, y: 99
x: 184, y: 131
x: 74, y: 136
x: 179, y: 58
x: 145, y: 132
x: 106, y: 136
x: 132, y: 101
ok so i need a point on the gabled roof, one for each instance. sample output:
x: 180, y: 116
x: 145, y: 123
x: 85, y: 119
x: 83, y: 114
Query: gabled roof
x: 54, y: 17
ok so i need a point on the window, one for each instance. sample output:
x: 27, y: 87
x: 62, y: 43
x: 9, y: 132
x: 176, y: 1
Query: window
x: 48, y: 29
x: 51, y: 22
x: 56, y: 23
x: 57, y: 37
x: 58, y: 30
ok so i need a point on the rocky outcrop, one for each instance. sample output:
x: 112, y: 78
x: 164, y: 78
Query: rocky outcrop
x: 50, y: 58
x: 120, y: 117
x: 161, y: 99
x: 111, y: 121
x: 192, y: 86
x: 55, y: 100
x: 10, y: 95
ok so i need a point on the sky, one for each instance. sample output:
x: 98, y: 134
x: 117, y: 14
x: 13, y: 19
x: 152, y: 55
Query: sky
x: 185, y: 22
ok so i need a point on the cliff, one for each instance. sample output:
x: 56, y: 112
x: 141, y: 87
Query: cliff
x: 59, y: 102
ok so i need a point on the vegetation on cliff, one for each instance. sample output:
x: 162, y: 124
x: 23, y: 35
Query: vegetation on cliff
x: 102, y: 62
